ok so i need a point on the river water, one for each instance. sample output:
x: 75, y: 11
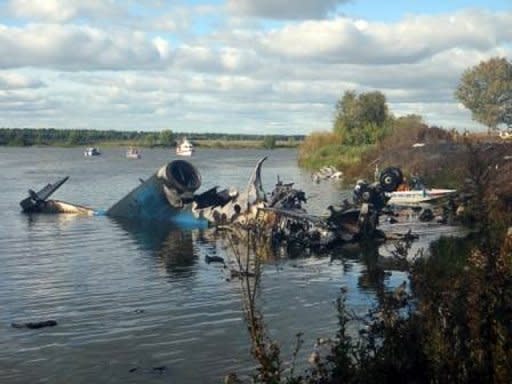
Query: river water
x: 139, y: 303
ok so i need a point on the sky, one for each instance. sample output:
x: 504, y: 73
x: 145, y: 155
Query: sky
x: 238, y: 66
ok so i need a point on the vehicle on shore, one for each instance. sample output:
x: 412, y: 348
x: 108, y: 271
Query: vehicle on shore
x: 184, y: 148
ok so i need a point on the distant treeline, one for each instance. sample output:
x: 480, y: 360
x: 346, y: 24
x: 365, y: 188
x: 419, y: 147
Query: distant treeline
x: 73, y: 137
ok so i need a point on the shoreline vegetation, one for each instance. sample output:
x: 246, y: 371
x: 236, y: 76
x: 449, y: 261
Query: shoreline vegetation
x: 24, y: 137
x: 366, y: 134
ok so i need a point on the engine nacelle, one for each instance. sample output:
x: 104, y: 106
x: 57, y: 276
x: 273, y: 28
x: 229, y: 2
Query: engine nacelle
x: 162, y: 196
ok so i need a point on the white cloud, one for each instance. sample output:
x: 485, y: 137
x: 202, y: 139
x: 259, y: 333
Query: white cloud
x: 61, y: 10
x: 201, y: 58
x: 71, y: 47
x: 97, y: 70
x: 21, y: 102
x: 283, y: 9
x: 162, y: 46
x: 345, y: 40
x: 13, y: 80
x: 179, y: 19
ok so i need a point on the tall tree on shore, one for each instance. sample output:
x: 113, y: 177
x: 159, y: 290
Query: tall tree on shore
x: 361, y: 118
x: 166, y: 138
x: 269, y: 142
x: 486, y: 90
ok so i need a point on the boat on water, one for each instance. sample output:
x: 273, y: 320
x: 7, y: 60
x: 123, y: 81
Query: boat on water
x: 133, y: 153
x: 184, y: 148
x: 92, y: 151
x: 422, y: 196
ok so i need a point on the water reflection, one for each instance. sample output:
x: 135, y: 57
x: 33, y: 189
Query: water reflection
x: 373, y: 276
x: 375, y: 267
x: 40, y: 222
x: 172, y: 247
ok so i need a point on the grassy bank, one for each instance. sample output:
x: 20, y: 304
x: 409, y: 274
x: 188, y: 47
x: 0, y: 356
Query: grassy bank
x: 243, y: 144
x: 440, y: 158
x: 326, y: 149
x: 343, y: 157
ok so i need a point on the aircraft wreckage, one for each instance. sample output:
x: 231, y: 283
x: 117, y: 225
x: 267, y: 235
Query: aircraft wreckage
x: 170, y: 195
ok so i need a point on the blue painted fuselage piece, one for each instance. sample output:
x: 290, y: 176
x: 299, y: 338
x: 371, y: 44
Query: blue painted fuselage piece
x: 148, y: 202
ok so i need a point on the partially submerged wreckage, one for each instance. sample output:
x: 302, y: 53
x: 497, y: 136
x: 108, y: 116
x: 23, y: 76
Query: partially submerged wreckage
x: 170, y: 195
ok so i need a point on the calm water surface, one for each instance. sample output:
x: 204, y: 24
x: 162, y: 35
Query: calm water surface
x: 131, y: 296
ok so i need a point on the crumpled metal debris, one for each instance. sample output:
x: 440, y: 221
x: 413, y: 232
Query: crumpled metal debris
x: 326, y: 173
x: 287, y: 221
x: 37, y: 202
x: 170, y: 195
x: 228, y: 206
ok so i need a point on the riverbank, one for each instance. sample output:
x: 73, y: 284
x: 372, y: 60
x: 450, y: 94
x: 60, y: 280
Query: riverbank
x: 21, y: 137
x: 440, y: 157
x: 244, y: 144
x: 210, y: 144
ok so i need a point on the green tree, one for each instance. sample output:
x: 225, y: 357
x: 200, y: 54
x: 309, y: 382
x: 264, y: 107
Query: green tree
x: 19, y: 137
x: 346, y: 114
x: 166, y: 138
x: 373, y: 108
x: 486, y: 90
x: 76, y: 137
x: 150, y: 139
x: 360, y: 119
x: 269, y: 142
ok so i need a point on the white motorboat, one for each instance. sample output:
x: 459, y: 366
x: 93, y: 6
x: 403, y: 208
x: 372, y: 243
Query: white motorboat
x: 184, y: 148
x: 91, y: 151
x: 133, y: 153
x: 415, y: 197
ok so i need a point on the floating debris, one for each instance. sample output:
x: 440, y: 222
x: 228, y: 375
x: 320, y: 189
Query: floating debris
x: 159, y: 370
x: 213, y: 259
x: 35, y: 325
x: 38, y: 202
x: 327, y: 173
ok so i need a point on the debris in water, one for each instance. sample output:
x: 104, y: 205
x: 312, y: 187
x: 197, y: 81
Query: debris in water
x: 35, y: 325
x: 213, y: 259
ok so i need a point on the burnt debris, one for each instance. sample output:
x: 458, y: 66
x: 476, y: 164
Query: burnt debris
x: 170, y: 195
x: 37, y: 202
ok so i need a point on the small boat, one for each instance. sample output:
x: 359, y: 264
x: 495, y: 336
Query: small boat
x: 415, y: 197
x: 184, y: 148
x: 133, y: 153
x: 92, y: 151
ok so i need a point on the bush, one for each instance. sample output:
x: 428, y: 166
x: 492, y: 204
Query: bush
x: 269, y: 142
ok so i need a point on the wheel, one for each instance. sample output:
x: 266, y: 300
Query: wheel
x: 390, y: 178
